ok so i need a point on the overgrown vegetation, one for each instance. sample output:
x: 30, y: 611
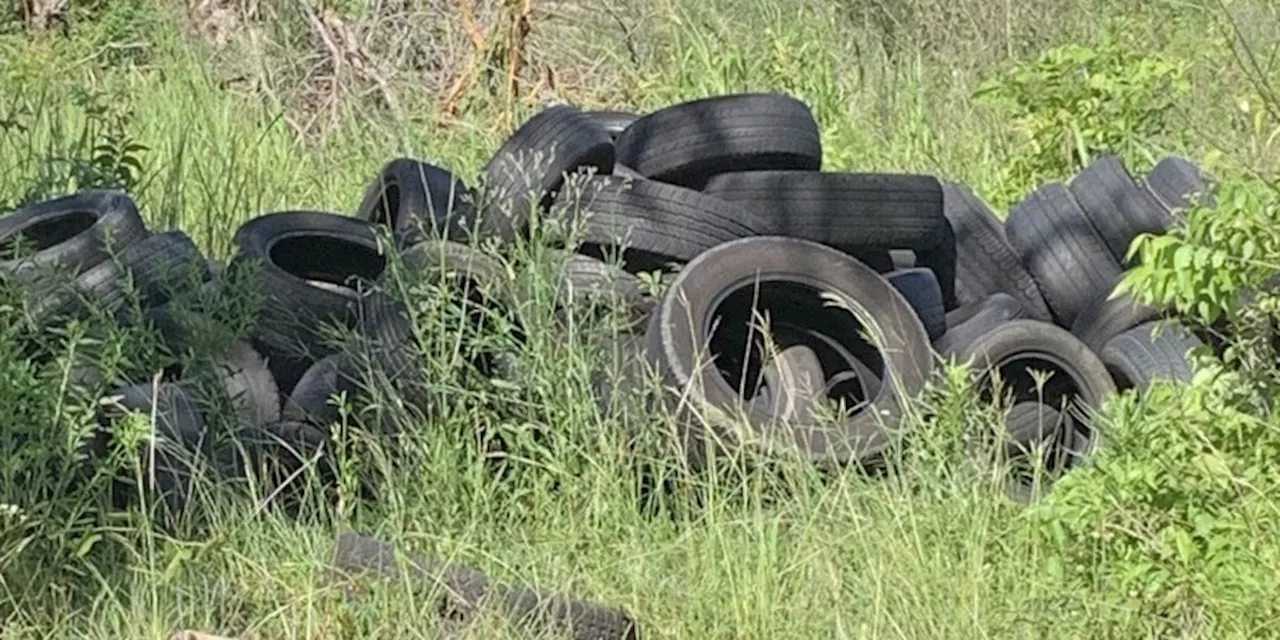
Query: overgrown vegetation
x: 213, y: 112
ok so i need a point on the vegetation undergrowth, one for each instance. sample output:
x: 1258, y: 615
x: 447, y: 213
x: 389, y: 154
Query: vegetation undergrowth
x: 212, y: 114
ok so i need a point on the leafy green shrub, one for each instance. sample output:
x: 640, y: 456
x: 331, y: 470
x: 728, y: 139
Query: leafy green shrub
x: 1176, y: 520
x: 1076, y: 101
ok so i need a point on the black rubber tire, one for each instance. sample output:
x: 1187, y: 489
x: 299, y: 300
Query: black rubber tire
x: 842, y: 210
x: 418, y: 200
x: 967, y: 323
x: 985, y: 261
x: 584, y: 280
x: 464, y: 589
x: 296, y: 251
x: 1079, y: 382
x: 1107, y: 317
x: 181, y: 439
x: 677, y: 349
x: 1136, y: 358
x: 238, y: 370
x: 533, y: 162
x: 920, y: 288
x: 1118, y: 207
x: 1175, y: 181
x: 310, y: 402
x: 687, y: 143
x: 659, y: 223
x: 157, y: 269
x: 1059, y: 247
x: 613, y: 122
x: 70, y: 234
x: 479, y: 278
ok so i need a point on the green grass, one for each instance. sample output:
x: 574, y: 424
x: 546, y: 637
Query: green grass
x: 934, y: 552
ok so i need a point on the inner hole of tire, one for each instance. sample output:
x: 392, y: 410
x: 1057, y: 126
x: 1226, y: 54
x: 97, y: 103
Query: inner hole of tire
x: 740, y: 348
x: 47, y: 233
x: 1059, y: 391
x: 388, y: 204
x: 327, y: 261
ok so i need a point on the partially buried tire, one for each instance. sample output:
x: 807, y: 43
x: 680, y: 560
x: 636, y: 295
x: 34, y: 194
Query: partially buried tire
x: 680, y: 338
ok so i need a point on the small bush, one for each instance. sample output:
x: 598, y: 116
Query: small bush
x: 1176, y: 517
x: 1076, y: 101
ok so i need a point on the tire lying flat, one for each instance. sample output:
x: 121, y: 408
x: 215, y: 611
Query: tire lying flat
x: 65, y: 236
x: 842, y: 210
x: 658, y: 223
x: 688, y: 143
x: 312, y: 270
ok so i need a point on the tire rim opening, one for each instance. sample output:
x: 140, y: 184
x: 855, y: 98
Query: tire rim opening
x: 46, y: 233
x: 328, y: 263
x: 736, y: 341
x: 1059, y: 391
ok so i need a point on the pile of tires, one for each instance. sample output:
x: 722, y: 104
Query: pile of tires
x: 809, y: 305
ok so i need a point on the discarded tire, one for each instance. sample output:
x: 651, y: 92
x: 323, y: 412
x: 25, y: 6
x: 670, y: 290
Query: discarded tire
x: 1118, y: 208
x: 688, y: 143
x: 1148, y: 352
x: 1079, y: 382
x: 1068, y: 259
x: 417, y: 200
x: 532, y: 164
x: 67, y: 235
x: 678, y: 339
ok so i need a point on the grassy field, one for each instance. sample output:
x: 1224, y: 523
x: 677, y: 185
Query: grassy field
x: 210, y: 114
